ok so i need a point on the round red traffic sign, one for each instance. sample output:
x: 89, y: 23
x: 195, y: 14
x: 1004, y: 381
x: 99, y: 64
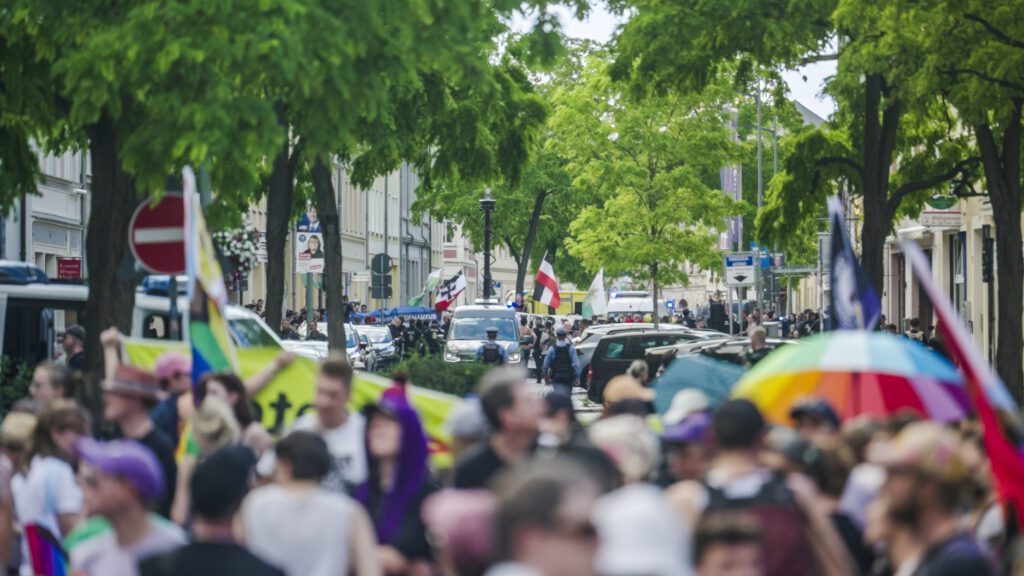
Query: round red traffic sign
x: 157, y: 235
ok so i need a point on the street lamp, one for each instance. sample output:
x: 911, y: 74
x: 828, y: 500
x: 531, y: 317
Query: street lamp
x: 487, y: 206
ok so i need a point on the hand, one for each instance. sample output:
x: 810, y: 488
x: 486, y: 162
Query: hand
x: 110, y: 338
x: 283, y: 360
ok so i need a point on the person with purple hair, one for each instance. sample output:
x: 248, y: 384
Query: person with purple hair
x: 399, y: 481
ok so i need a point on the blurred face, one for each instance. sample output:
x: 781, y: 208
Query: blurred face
x: 524, y: 415
x: 686, y: 461
x: 331, y: 399
x: 568, y: 547
x: 179, y: 382
x: 557, y: 424
x: 217, y: 389
x: 811, y: 427
x: 384, y: 437
x: 311, y: 214
x: 65, y: 441
x: 103, y: 494
x: 41, y: 389
x: 70, y: 344
x: 731, y: 560
x: 902, y: 491
x: 312, y: 326
x: 314, y: 244
x: 117, y: 406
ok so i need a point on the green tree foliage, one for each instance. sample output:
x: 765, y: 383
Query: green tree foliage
x: 649, y: 161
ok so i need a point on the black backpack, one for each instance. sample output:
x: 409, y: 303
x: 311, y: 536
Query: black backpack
x: 492, y: 354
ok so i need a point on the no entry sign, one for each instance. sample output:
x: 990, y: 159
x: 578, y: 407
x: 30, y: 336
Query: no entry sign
x: 157, y: 235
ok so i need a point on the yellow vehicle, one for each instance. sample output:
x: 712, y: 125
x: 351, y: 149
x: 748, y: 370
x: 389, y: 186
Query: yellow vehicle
x: 571, y: 304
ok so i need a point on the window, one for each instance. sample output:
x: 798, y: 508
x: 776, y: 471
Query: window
x: 248, y: 333
x: 615, y: 349
x: 449, y: 232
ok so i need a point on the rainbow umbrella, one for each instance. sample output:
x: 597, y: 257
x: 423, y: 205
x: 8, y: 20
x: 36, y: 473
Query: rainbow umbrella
x: 859, y: 373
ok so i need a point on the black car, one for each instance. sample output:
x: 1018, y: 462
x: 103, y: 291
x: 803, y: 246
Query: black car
x: 615, y: 352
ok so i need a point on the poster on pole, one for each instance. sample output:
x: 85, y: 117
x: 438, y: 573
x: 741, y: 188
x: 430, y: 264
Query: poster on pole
x: 309, y: 252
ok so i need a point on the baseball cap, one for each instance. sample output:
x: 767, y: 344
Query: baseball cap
x: 76, y: 330
x: 684, y: 403
x: 128, y: 460
x: 170, y: 364
x: 132, y: 381
x: 692, y: 429
x: 815, y: 408
x: 561, y: 331
x: 926, y: 447
x: 221, y: 481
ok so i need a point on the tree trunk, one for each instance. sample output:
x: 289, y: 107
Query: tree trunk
x: 111, y: 283
x: 880, y: 128
x: 531, y: 238
x: 654, y: 295
x: 1002, y: 174
x: 279, y: 211
x: 327, y: 207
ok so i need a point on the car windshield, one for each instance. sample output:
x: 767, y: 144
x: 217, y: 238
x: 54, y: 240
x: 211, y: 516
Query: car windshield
x: 248, y: 333
x: 378, y: 336
x: 476, y: 328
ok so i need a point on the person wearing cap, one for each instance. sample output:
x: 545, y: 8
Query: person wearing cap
x: 562, y: 363
x: 814, y: 418
x: 296, y: 524
x: 925, y: 484
x: 801, y: 539
x: 121, y: 479
x: 218, y: 486
x: 74, y: 347
x: 50, y: 381
x: 128, y: 398
x: 174, y: 370
x: 399, y: 482
x: 513, y: 413
x: 15, y: 433
x: 44, y: 489
x: 686, y: 444
x: 491, y: 352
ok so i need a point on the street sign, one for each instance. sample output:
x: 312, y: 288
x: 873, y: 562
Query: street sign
x: 739, y: 269
x: 156, y: 235
x: 381, y: 264
x: 69, y: 268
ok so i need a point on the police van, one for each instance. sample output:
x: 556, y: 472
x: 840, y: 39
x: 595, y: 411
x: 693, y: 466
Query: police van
x: 469, y: 327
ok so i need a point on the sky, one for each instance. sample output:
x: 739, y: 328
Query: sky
x: 600, y: 25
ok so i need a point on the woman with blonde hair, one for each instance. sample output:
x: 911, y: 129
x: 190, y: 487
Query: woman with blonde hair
x: 213, y: 427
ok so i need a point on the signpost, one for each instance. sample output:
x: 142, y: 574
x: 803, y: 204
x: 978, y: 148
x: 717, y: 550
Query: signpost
x: 156, y: 235
x: 739, y: 269
x: 69, y: 268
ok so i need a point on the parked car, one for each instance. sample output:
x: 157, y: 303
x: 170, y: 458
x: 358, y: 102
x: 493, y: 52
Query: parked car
x: 469, y: 330
x: 587, y: 343
x: 615, y: 352
x: 381, y: 343
x: 727, y: 349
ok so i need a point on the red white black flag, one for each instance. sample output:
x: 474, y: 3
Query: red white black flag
x: 545, y: 288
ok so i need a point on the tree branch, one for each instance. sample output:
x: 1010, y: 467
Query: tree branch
x: 960, y: 169
x: 992, y: 29
x: 981, y: 75
x: 819, y: 58
x: 828, y: 160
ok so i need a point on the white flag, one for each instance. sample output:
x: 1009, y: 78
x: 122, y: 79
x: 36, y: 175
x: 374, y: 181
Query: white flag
x: 595, y: 304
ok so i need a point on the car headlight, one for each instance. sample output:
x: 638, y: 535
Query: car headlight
x: 452, y: 348
x: 513, y: 358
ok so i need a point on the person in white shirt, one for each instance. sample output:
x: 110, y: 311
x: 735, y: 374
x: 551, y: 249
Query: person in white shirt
x: 342, y: 430
x: 44, y: 490
x: 301, y: 527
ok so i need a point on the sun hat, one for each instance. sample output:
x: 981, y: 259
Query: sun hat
x: 132, y: 381
x: 171, y: 363
x: 684, y: 403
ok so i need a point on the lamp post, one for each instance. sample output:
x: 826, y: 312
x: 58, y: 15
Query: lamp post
x: 487, y: 206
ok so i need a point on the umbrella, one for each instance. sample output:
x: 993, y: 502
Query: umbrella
x: 715, y: 378
x: 858, y: 373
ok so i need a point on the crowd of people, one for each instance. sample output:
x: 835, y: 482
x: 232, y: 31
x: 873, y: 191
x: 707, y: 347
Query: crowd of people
x: 187, y: 482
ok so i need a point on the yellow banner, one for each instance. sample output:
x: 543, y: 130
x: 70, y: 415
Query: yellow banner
x: 290, y: 393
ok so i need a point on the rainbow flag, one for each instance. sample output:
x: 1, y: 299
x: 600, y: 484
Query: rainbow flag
x: 46, y: 555
x: 212, y: 348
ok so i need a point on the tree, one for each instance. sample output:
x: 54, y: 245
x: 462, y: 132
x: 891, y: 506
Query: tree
x: 650, y: 161
x: 877, y: 125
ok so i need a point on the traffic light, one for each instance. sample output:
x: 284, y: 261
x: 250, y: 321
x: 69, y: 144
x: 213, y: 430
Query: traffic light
x: 987, y: 254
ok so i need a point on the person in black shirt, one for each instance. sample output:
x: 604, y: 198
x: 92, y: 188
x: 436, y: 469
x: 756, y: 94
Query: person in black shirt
x: 513, y: 412
x: 396, y: 449
x: 128, y: 398
x: 314, y: 335
x: 287, y: 333
x: 218, y: 485
x: 74, y: 347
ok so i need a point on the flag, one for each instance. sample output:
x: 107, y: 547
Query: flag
x: 595, y: 304
x: 208, y: 333
x: 432, y: 281
x: 46, y: 555
x: 983, y: 387
x: 855, y: 303
x: 545, y: 288
x: 449, y: 291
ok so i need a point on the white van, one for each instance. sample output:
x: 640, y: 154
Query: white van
x: 32, y: 312
x: 621, y: 304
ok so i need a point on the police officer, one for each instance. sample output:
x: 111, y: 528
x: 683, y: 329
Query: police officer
x: 491, y: 352
x: 561, y: 363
